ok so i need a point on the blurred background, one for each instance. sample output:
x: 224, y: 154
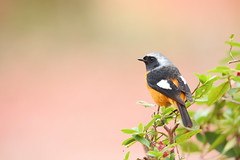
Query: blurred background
x: 69, y: 75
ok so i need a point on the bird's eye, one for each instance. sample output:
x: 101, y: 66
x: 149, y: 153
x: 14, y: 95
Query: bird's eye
x: 152, y: 59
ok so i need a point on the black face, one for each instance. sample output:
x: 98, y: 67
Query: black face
x: 151, y: 62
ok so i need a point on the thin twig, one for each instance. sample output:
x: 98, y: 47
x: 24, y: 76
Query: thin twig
x: 171, y: 134
x: 196, y: 88
x: 174, y: 133
x: 230, y: 54
x: 175, y: 127
x: 230, y: 100
x: 230, y: 51
x: 234, y: 61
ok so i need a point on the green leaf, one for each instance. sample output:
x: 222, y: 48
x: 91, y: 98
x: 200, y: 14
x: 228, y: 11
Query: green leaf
x: 201, y: 138
x: 190, y: 147
x: 238, y: 66
x: 149, y: 124
x: 141, y: 140
x: 184, y: 137
x: 128, y: 142
x: 221, y: 69
x: 220, y: 139
x: 202, y: 78
x: 236, y: 78
x: 212, y: 79
x: 168, y: 110
x: 200, y: 94
x: 236, y: 152
x: 234, y: 44
x: 203, y: 99
x: 159, y: 154
x: 202, y: 115
x: 187, y: 104
x: 157, y: 116
x: 195, y: 126
x: 233, y: 91
x: 145, y: 104
x: 228, y: 115
x: 211, y: 137
x: 231, y: 37
x: 155, y: 154
x: 180, y: 130
x: 163, y: 108
x: 169, y: 146
x: 230, y: 144
x: 162, y: 133
x: 127, y: 156
x: 237, y: 120
x: 217, y: 92
x: 129, y: 131
x: 140, y: 128
x: 172, y: 156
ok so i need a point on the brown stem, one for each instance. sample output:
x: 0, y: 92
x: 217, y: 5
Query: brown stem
x: 234, y: 61
x: 171, y: 134
x: 230, y: 51
x: 196, y: 88
x: 230, y: 54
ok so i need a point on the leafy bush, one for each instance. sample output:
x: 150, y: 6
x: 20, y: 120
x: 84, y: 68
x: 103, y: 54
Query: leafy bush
x: 216, y: 126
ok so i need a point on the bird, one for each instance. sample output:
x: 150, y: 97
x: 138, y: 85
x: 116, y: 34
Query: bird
x: 166, y: 84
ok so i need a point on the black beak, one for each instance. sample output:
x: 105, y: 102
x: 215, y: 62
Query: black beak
x: 140, y: 59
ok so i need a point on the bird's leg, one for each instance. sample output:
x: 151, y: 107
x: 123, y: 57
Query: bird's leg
x: 174, y: 111
x: 158, y: 109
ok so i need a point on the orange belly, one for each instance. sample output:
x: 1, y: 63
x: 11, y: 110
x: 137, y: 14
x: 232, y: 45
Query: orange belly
x: 162, y: 100
x: 159, y: 99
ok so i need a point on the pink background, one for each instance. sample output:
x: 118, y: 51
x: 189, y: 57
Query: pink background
x: 69, y: 75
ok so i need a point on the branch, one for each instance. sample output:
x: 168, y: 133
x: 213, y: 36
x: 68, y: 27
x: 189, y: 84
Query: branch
x: 234, y: 61
x: 230, y: 54
x: 196, y: 88
x: 231, y: 100
x: 171, y: 134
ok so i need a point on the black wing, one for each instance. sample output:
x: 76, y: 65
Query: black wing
x: 173, y: 91
x: 184, y: 88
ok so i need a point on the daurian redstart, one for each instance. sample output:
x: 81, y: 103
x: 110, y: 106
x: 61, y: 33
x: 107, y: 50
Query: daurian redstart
x: 166, y: 84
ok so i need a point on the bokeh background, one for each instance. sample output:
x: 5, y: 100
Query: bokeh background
x: 69, y: 75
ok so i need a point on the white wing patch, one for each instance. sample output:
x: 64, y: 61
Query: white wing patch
x: 164, y: 84
x: 184, y: 81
